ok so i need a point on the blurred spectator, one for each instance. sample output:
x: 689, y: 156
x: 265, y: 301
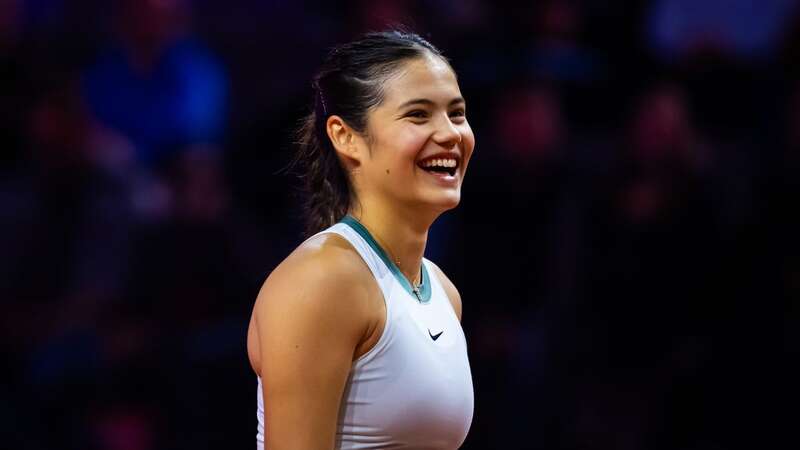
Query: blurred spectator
x: 662, y: 137
x: 792, y: 149
x: 650, y: 213
x: 790, y: 46
x: 159, y: 87
x: 779, y: 220
x: 14, y: 72
x: 207, y: 261
x: 379, y: 14
x: 462, y: 15
x: 530, y: 153
x: 517, y: 211
x: 63, y: 194
x: 740, y: 29
x: 126, y: 429
x: 559, y: 51
x: 64, y: 230
x: 530, y: 129
x: 652, y: 277
x: 10, y: 23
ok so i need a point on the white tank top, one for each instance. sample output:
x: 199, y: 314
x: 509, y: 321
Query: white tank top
x: 413, y: 389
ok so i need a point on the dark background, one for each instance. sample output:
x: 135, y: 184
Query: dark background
x: 625, y: 248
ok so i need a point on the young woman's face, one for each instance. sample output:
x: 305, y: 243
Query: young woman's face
x: 419, y: 139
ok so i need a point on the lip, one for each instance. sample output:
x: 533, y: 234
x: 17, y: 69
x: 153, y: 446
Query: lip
x: 443, y: 178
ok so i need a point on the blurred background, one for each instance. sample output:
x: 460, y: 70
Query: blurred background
x: 625, y: 247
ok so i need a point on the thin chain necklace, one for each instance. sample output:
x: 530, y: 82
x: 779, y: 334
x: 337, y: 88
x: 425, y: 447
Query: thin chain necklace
x: 415, y: 286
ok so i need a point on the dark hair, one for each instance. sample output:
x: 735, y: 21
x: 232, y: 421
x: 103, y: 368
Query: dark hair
x: 348, y: 84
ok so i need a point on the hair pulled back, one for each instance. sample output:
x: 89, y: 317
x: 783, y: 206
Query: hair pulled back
x: 349, y: 83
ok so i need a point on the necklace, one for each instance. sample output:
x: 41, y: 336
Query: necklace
x: 418, y: 289
x: 415, y: 285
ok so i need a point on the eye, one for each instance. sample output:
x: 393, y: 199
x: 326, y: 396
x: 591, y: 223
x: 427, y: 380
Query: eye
x: 458, y: 113
x: 417, y: 114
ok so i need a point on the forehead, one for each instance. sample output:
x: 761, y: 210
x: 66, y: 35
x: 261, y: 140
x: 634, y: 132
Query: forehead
x: 427, y: 77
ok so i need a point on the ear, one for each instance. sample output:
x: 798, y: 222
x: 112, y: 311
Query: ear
x: 344, y: 140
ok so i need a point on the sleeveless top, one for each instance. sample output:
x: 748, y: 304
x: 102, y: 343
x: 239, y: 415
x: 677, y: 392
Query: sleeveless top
x: 413, y: 389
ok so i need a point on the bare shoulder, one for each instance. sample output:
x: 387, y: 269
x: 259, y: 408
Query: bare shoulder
x: 315, y: 275
x: 450, y: 289
x: 309, y: 318
x: 324, y: 288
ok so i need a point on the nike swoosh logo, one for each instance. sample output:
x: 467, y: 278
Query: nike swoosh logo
x: 435, y: 336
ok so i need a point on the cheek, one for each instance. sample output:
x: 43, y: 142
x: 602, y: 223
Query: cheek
x: 468, y: 140
x: 402, y: 149
x: 414, y: 141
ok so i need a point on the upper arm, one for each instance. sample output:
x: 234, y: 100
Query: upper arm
x: 450, y: 290
x: 310, y: 316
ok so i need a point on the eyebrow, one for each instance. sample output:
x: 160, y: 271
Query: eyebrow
x: 428, y: 102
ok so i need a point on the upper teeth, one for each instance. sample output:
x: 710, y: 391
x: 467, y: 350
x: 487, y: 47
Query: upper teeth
x: 439, y: 163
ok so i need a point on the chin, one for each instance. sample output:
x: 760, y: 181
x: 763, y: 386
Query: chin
x: 445, y: 202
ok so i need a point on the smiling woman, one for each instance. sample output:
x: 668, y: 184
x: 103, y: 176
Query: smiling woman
x: 355, y: 337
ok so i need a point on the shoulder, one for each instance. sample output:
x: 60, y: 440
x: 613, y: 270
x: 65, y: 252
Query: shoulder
x: 323, y: 278
x: 324, y: 258
x: 449, y: 288
x: 310, y: 315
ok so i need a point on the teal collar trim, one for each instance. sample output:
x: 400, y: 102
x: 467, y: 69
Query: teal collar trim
x: 423, y: 294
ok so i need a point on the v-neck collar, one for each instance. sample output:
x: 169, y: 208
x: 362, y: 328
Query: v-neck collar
x: 423, y: 293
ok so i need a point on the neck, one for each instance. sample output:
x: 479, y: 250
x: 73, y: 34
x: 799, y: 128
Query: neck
x: 403, y: 234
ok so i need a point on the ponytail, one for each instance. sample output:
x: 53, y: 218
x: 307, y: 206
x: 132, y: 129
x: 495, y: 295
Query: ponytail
x: 326, y: 185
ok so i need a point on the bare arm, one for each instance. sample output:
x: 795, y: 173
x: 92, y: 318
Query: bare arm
x: 310, y: 316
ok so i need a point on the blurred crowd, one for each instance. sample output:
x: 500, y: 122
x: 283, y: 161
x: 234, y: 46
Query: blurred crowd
x: 625, y: 247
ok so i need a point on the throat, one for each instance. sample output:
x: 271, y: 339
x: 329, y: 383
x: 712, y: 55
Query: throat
x: 402, y: 252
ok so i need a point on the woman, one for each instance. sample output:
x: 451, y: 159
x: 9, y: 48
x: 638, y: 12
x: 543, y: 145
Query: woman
x: 355, y: 337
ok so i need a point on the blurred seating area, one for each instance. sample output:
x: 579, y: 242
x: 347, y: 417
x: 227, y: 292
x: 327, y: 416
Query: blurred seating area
x: 625, y: 247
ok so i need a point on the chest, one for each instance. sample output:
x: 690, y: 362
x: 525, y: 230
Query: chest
x: 415, y: 387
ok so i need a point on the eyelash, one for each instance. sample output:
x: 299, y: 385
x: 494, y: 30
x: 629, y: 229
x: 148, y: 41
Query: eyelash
x: 417, y: 114
x: 420, y: 114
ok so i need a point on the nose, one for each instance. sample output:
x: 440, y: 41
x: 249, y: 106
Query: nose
x: 447, y: 134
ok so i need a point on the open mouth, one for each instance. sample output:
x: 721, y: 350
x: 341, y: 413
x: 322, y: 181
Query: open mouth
x: 441, y: 165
